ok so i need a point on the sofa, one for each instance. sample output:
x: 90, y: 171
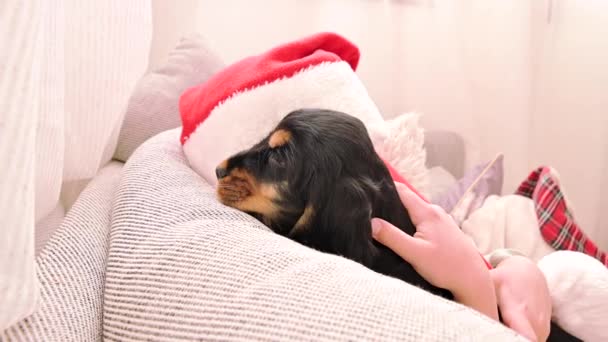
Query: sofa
x: 147, y: 253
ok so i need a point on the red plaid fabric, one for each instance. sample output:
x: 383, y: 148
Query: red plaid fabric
x: 557, y: 226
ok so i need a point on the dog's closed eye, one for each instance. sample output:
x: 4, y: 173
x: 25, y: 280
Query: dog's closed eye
x: 276, y: 160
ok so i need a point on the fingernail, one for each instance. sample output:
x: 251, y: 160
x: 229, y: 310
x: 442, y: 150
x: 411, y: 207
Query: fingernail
x: 376, y: 225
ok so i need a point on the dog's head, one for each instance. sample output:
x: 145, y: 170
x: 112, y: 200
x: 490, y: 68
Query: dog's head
x: 317, y: 179
x: 316, y: 165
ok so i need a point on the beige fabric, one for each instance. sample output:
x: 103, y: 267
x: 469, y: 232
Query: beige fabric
x: 181, y: 266
x: 153, y: 106
x: 71, y: 270
x: 19, y: 93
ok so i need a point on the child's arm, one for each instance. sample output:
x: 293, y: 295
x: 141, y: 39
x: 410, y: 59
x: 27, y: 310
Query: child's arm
x: 441, y: 253
x: 523, y: 297
x: 480, y: 296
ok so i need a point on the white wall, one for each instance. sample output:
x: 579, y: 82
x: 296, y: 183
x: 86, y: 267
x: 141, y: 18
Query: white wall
x: 497, y: 72
x: 237, y: 28
x: 415, y: 57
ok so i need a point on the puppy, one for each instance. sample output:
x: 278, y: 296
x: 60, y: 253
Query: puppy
x: 317, y: 179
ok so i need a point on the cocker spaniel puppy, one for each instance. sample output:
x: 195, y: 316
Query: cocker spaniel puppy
x: 317, y: 179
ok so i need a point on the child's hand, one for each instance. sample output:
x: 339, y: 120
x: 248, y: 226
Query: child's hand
x: 440, y: 252
x: 523, y: 297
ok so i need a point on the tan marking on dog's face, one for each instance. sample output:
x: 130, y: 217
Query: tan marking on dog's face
x: 242, y: 191
x: 223, y: 165
x: 304, y: 218
x: 279, y: 138
x: 262, y: 201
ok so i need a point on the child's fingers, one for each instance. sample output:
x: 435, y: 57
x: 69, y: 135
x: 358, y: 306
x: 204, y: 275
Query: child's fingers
x: 418, y: 208
x: 407, y: 247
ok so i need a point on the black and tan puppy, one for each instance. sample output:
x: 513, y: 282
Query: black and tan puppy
x: 317, y: 179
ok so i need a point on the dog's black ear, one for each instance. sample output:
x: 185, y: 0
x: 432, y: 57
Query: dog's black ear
x: 341, y: 218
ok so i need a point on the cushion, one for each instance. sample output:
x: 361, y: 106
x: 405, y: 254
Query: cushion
x: 446, y: 149
x: 440, y: 181
x: 472, y: 189
x: 153, y: 106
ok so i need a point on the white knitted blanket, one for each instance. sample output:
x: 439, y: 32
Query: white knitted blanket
x: 181, y: 266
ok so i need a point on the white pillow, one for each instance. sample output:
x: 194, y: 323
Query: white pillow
x: 579, y: 290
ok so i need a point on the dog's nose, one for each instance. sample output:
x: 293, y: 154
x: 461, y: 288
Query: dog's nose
x: 221, y: 172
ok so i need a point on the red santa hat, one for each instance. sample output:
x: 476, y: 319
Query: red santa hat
x: 242, y: 103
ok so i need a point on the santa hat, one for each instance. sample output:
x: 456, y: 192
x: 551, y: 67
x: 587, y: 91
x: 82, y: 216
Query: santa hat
x: 241, y: 104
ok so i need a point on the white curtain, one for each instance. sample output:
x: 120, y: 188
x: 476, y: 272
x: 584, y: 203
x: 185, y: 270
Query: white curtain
x: 92, y: 55
x: 526, y: 78
x: 19, y: 92
x: 68, y: 69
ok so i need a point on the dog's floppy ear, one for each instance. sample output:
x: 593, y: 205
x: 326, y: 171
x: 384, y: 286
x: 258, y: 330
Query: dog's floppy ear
x: 341, y: 218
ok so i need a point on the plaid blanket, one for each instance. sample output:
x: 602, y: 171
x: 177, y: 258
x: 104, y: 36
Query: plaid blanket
x: 555, y: 220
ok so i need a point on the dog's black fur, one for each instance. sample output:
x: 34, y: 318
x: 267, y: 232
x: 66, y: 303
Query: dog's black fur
x: 324, y: 161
